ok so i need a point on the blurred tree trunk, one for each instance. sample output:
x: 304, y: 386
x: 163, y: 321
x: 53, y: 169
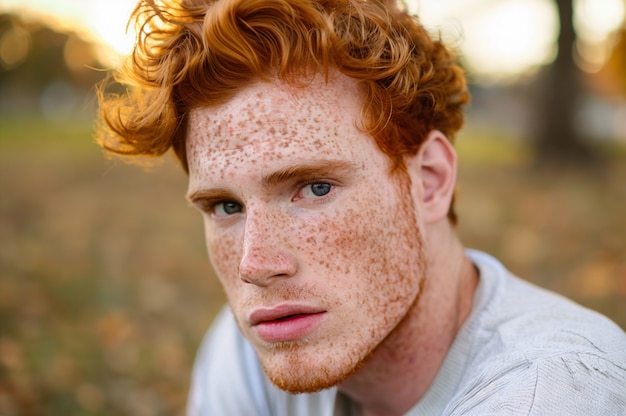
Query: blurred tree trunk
x: 557, y: 140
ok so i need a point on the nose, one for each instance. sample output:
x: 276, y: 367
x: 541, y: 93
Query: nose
x: 265, y: 256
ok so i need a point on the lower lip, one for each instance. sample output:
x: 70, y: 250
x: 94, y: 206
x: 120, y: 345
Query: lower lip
x: 289, y: 329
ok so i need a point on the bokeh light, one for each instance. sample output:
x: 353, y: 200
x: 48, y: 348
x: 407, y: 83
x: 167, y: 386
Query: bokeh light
x: 14, y: 47
x: 499, y: 38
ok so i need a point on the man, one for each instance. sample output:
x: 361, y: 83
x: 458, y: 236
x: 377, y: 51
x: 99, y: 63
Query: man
x: 318, y: 140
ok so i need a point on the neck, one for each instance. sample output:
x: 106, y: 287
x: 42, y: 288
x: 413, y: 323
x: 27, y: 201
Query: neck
x: 402, y: 368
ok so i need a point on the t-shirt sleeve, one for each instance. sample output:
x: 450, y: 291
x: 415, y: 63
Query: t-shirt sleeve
x: 573, y: 384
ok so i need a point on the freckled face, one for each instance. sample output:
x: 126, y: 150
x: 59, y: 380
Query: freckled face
x: 317, y: 247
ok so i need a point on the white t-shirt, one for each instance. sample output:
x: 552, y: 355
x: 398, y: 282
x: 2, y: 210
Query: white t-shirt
x: 522, y: 351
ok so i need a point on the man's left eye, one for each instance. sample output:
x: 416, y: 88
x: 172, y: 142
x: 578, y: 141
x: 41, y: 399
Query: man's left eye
x: 316, y: 190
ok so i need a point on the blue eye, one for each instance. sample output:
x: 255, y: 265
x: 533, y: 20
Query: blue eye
x: 226, y: 208
x: 320, y: 189
x: 315, y: 190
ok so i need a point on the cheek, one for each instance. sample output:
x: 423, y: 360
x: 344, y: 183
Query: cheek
x: 366, y: 238
x: 372, y: 253
x: 224, y: 253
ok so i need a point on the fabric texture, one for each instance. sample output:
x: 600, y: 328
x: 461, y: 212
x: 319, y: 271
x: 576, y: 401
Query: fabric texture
x: 522, y: 351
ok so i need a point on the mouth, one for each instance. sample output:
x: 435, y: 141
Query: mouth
x: 285, y: 322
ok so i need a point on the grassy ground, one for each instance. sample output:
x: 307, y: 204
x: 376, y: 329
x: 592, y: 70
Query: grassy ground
x: 105, y: 289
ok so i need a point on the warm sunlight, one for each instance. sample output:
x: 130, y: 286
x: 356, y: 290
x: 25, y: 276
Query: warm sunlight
x: 593, y: 20
x: 108, y: 20
x: 498, y: 38
x: 103, y: 21
x: 510, y: 36
x: 501, y: 38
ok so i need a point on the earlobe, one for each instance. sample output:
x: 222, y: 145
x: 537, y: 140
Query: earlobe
x: 433, y: 171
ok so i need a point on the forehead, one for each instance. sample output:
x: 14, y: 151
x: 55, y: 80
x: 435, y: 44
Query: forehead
x: 274, y: 110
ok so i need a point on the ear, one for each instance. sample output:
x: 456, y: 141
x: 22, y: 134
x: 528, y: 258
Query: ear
x: 433, y: 175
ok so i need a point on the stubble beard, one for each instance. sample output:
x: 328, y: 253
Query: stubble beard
x: 312, y: 380
x: 303, y: 378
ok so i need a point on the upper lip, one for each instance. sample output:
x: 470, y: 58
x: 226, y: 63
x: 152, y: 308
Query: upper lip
x: 261, y: 315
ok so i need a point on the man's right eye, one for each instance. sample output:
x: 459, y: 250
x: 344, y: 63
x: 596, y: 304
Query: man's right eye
x: 226, y: 208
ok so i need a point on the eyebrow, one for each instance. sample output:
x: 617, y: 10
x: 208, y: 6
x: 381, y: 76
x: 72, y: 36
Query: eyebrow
x: 303, y: 172
x: 288, y: 174
x: 217, y: 194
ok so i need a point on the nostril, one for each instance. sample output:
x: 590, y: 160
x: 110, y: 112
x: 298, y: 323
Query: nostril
x: 262, y: 268
x: 244, y: 274
x: 244, y: 279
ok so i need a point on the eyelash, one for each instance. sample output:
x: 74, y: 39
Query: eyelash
x: 320, y: 198
x: 214, y: 207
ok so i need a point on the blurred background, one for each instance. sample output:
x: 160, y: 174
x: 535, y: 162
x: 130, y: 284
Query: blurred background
x: 105, y: 288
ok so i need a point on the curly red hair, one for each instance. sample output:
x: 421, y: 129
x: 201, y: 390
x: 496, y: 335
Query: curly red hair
x: 195, y: 53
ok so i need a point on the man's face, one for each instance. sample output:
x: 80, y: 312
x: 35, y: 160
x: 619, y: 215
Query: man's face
x: 317, y: 247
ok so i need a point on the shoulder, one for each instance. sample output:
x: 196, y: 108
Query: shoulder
x: 228, y: 379
x: 535, y: 352
x: 565, y: 383
x: 512, y: 314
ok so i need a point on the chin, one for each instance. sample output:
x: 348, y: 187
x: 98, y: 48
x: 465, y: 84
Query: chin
x: 307, y: 373
x: 296, y: 381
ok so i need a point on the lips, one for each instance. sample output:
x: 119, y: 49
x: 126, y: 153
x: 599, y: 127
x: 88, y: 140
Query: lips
x: 285, y: 322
